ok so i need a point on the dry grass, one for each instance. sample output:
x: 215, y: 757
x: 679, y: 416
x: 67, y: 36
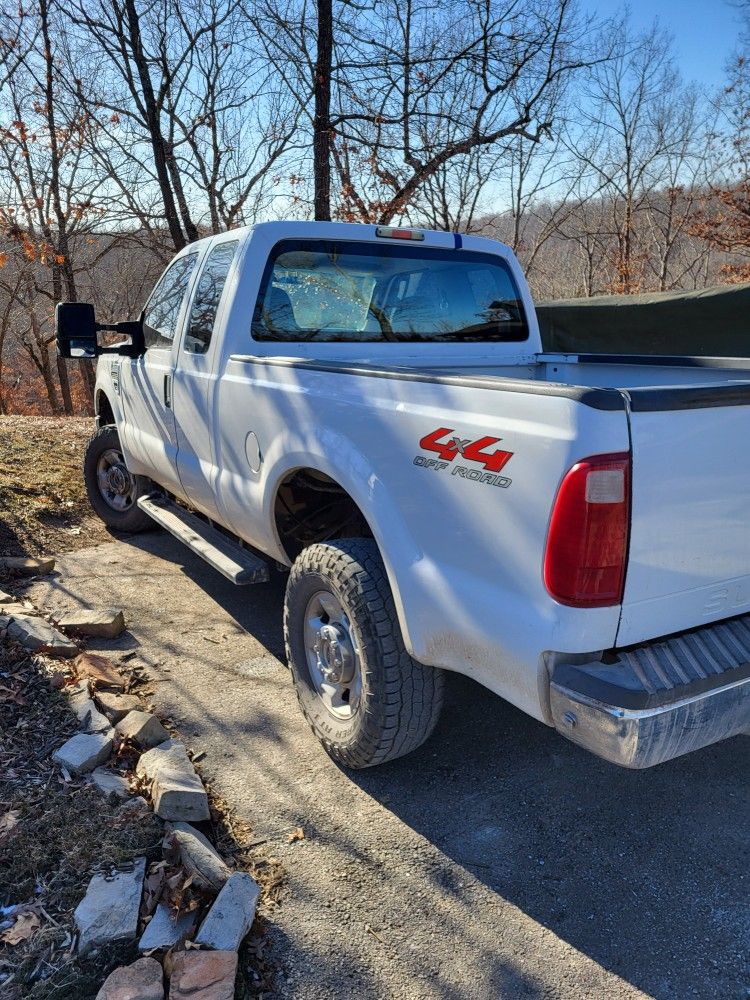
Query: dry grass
x: 43, y: 505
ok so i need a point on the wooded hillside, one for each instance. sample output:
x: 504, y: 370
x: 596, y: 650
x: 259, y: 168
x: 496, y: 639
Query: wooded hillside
x: 129, y: 128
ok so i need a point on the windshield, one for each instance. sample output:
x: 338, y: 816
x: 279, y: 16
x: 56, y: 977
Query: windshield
x: 338, y: 291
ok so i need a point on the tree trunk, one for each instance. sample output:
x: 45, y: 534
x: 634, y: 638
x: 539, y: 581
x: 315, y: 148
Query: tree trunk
x: 62, y: 269
x: 62, y: 374
x: 322, y: 119
x: 157, y: 139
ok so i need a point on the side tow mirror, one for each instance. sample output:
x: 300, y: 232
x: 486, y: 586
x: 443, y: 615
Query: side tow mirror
x: 75, y: 330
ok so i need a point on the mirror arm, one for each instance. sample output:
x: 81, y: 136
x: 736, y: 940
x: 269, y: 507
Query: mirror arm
x: 134, y: 330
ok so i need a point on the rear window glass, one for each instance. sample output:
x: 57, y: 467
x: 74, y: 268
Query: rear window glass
x: 336, y: 291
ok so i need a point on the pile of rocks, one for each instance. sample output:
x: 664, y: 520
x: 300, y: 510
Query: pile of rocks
x: 202, y: 951
x: 197, y: 944
x: 115, y: 907
x: 24, y: 623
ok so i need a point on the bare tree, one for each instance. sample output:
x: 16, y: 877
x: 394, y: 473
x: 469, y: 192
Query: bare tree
x: 541, y: 183
x: 417, y: 85
x: 47, y: 201
x: 723, y: 219
x: 322, y: 126
x: 675, y: 258
x: 19, y: 29
x: 455, y: 197
x: 633, y: 126
x: 185, y: 123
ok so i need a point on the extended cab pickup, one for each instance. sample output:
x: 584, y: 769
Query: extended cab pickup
x: 371, y: 408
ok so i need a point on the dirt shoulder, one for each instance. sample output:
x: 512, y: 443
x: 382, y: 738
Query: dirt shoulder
x: 43, y: 504
x: 56, y: 829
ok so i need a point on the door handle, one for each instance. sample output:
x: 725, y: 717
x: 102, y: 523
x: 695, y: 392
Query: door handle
x: 168, y: 391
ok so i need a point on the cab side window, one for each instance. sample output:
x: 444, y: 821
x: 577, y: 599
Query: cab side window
x: 208, y: 297
x: 163, y: 307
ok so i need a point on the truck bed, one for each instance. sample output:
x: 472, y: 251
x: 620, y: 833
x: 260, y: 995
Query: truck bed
x: 686, y: 420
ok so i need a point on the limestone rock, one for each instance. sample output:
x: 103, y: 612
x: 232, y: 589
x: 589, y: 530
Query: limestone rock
x: 91, y: 719
x: 116, y: 706
x: 13, y: 608
x: 134, y: 809
x: 109, y: 910
x: 84, y: 751
x: 164, y: 931
x: 142, y: 729
x: 39, y: 636
x: 203, y: 975
x: 27, y: 567
x: 108, y: 782
x: 232, y: 914
x: 197, y: 854
x: 143, y: 980
x: 104, y: 624
x: 176, y: 790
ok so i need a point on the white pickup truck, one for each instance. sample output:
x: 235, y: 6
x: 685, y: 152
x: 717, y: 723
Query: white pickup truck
x: 370, y: 407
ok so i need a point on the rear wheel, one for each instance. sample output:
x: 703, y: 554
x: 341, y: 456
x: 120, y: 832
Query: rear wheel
x: 112, y: 489
x: 365, y: 698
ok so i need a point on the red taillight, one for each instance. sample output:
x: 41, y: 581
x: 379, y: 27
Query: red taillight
x: 587, y: 543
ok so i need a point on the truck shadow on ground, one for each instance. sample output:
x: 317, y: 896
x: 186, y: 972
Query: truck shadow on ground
x: 643, y: 872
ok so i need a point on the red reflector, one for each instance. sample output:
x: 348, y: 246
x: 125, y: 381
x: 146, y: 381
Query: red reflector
x: 584, y: 564
x: 399, y: 234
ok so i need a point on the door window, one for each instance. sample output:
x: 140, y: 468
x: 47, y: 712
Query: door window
x: 208, y: 297
x: 163, y: 307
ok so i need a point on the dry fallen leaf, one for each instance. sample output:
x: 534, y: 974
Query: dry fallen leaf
x: 102, y: 671
x: 27, y: 923
x: 8, y: 822
x: 153, y: 889
x: 297, y: 834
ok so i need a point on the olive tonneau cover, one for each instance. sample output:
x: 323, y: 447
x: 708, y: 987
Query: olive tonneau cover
x: 713, y: 322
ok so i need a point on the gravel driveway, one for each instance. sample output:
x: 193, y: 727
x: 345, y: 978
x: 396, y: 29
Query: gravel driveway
x: 497, y: 861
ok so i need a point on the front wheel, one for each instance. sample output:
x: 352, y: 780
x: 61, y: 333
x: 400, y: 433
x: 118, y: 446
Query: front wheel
x: 112, y: 489
x: 365, y: 698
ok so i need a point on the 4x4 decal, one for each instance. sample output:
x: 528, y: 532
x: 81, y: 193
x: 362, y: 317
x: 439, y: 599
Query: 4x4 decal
x: 448, y: 445
x: 468, y: 449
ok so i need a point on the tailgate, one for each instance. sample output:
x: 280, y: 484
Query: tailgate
x: 689, y: 561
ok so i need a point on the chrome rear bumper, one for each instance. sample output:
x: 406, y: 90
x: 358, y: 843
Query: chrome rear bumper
x: 658, y: 701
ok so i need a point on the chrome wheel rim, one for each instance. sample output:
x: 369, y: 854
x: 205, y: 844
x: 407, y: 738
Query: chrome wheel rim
x: 116, y: 485
x: 333, y: 655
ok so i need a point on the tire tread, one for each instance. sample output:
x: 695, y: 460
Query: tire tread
x: 131, y: 521
x: 406, y: 699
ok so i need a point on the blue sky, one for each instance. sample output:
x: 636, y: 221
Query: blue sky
x: 705, y: 32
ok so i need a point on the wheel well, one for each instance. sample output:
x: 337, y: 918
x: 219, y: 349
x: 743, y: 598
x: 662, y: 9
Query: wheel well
x: 104, y: 412
x: 311, y: 507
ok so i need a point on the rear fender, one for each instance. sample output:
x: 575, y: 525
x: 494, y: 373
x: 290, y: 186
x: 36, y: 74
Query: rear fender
x: 335, y: 456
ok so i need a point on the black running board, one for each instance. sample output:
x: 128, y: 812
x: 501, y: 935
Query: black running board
x: 228, y: 557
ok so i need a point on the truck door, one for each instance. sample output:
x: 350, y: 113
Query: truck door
x: 195, y: 378
x: 148, y: 434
